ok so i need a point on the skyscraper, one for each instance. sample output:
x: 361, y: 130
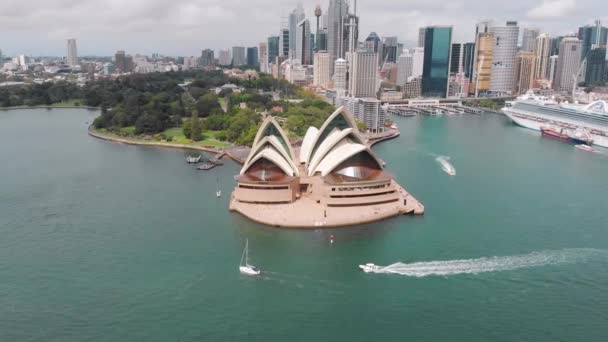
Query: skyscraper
x: 120, y: 61
x: 568, y: 64
x: 295, y: 17
x: 421, y: 32
x: 404, y: 68
x: 238, y: 56
x: 284, y: 43
x: 468, y: 60
x: 456, y: 60
x: 504, y: 53
x: 541, y: 56
x: 321, y: 75
x: 363, y: 74
x: 302, y: 46
x: 72, y: 56
x: 318, y: 13
x: 525, y: 71
x: 528, y: 42
x: 436, y: 68
x: 225, y: 58
x: 482, y: 72
x: 552, y: 68
x: 340, y: 71
x: 263, y: 57
x: 596, y: 67
x: 273, y: 48
x: 417, y: 62
x: 207, y: 58
x: 252, y: 56
x: 338, y: 9
x: 390, y: 46
x: 592, y: 36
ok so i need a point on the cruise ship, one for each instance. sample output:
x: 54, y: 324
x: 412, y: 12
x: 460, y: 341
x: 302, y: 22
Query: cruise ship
x: 540, y: 112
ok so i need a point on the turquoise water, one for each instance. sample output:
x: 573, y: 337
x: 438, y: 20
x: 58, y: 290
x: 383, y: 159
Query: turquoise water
x: 108, y: 242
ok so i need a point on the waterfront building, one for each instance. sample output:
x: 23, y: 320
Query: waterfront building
x: 502, y: 77
x: 436, y: 68
x: 412, y: 88
x: 458, y: 85
x: 72, y: 55
x: 592, y: 36
x: 568, y: 65
x: 225, y: 58
x: 421, y: 33
x: 334, y: 180
x: 263, y: 57
x: 404, y: 68
x: 321, y: 69
x: 596, y: 67
x: 238, y: 56
x: 526, y: 62
x: 340, y: 73
x: 273, y: 48
x: 207, y: 58
x: 363, y: 74
x: 468, y: 57
x: 482, y: 70
x: 528, y: 42
x: 302, y: 43
x: 541, y: 55
x: 295, y: 17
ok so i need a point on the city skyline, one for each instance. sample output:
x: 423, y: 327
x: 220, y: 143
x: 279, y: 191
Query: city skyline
x: 183, y: 27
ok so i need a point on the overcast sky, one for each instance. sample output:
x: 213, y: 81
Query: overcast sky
x: 184, y: 27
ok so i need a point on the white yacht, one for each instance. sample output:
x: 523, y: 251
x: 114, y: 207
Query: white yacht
x: 370, y: 268
x: 446, y: 166
x: 244, y: 267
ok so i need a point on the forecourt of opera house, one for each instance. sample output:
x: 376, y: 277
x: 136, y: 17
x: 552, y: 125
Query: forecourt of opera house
x: 333, y: 179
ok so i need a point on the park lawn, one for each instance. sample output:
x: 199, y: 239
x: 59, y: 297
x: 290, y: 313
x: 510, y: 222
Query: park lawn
x: 177, y: 136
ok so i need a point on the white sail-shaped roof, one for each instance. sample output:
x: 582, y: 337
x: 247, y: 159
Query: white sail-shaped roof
x: 275, y: 157
x: 309, y: 139
x: 330, y: 142
x: 270, y: 127
x: 336, y: 156
x: 272, y: 141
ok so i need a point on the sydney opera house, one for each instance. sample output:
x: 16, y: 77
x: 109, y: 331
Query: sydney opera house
x: 333, y: 179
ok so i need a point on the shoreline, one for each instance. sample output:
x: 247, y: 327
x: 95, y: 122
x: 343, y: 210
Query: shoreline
x: 49, y: 107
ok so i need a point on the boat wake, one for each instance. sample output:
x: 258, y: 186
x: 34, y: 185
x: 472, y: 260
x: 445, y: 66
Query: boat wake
x: 446, y: 166
x: 494, y: 264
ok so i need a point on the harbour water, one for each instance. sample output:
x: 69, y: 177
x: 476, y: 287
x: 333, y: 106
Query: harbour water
x: 108, y: 242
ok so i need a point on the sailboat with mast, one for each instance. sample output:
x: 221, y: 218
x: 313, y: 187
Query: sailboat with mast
x: 245, y: 268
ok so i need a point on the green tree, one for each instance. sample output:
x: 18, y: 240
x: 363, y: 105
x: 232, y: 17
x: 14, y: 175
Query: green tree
x: 196, y: 131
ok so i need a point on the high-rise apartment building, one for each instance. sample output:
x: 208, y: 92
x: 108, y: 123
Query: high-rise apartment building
x: 528, y: 41
x: 541, y: 54
x: 284, y: 43
x: 252, y: 56
x: 504, y: 53
x: 263, y: 57
x: 207, y: 58
x: 363, y: 74
x: 321, y: 69
x: 525, y: 71
x: 238, y: 56
x: 72, y: 55
x: 405, y: 67
x: 568, y: 64
x: 436, y: 68
x: 225, y: 58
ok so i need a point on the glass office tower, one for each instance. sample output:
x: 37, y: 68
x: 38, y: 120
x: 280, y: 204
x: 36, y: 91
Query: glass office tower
x: 436, y: 66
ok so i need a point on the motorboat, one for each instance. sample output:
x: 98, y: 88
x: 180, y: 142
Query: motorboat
x: 585, y: 147
x: 370, y: 268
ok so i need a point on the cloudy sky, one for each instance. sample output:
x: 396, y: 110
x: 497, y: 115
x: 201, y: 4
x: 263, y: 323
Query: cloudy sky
x: 184, y: 27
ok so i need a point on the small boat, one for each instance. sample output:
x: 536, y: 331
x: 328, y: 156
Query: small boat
x: 578, y: 138
x: 245, y: 268
x: 370, y: 268
x: 446, y: 166
x: 218, y: 193
x: 193, y: 159
x: 206, y: 166
x: 585, y: 147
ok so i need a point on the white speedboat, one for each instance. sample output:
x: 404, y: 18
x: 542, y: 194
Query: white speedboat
x: 218, y: 193
x: 446, y: 166
x: 244, y: 267
x: 585, y: 148
x: 370, y: 268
